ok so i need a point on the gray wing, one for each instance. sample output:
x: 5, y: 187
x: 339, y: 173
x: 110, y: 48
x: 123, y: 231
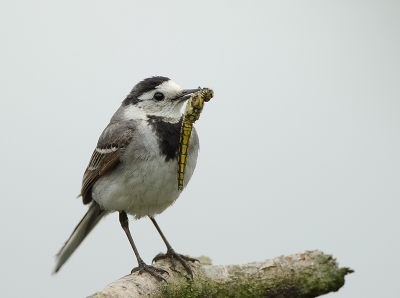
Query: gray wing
x: 111, y: 146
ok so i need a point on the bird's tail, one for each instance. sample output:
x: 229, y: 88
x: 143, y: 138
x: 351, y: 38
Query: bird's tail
x: 87, y: 223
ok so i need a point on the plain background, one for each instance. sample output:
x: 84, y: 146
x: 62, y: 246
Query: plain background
x: 299, y: 147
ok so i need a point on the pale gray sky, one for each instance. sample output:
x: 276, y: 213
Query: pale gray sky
x: 299, y: 147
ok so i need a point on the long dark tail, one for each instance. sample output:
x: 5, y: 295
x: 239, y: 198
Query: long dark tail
x: 87, y: 223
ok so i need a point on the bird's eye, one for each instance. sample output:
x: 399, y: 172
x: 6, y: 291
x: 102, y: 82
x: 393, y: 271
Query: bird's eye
x: 158, y: 96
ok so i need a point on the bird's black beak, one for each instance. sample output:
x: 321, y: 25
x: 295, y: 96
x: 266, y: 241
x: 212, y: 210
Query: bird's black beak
x: 186, y: 94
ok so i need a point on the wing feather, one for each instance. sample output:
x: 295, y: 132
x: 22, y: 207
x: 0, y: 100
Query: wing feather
x: 103, y: 159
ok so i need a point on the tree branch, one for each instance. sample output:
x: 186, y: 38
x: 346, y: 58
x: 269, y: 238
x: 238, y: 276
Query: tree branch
x: 307, y: 274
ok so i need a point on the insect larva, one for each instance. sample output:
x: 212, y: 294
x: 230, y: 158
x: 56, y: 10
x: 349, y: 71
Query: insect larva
x: 192, y: 113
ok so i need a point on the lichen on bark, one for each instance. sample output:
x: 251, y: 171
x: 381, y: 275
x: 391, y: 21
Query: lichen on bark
x: 307, y: 274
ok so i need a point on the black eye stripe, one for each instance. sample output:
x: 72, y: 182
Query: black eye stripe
x: 158, y: 96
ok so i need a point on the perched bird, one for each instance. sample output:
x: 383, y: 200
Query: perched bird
x: 133, y: 169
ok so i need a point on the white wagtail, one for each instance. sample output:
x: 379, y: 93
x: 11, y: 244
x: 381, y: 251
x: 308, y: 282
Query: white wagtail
x: 133, y: 169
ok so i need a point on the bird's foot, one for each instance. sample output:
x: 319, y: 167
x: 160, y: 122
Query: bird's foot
x: 172, y: 256
x: 143, y: 267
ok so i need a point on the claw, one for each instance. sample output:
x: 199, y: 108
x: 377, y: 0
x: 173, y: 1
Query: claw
x: 172, y: 256
x: 143, y: 267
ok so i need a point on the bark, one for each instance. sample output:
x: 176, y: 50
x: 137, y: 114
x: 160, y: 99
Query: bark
x: 307, y: 274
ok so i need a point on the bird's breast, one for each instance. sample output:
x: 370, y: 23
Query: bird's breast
x: 145, y: 182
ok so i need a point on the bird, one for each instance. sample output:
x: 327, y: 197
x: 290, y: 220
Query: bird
x: 133, y: 169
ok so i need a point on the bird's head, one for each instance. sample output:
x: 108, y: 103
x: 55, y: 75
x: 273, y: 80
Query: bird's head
x: 156, y: 96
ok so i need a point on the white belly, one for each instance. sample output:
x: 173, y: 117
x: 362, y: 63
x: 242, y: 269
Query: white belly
x: 143, y: 184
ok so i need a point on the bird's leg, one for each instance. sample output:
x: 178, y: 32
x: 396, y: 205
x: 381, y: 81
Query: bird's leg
x: 123, y: 219
x: 171, y: 254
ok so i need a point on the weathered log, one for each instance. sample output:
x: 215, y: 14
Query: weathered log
x: 307, y: 274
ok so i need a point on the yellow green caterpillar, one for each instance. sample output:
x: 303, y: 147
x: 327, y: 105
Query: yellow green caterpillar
x: 192, y: 113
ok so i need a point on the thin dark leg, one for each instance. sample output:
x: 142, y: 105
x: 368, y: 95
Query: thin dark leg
x: 171, y: 254
x: 123, y: 219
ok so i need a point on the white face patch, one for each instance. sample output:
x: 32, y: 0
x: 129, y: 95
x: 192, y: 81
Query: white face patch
x: 169, y: 88
x: 167, y: 107
x: 134, y: 112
